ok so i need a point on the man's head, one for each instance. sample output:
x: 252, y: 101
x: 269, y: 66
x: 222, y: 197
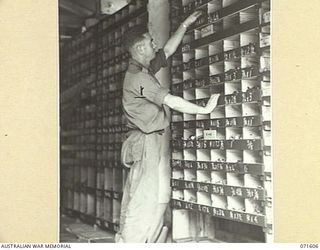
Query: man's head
x: 139, y: 43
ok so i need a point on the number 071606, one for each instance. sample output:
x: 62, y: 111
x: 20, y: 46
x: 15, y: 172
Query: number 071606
x: 309, y: 245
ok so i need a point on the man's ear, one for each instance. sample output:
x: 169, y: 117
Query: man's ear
x: 139, y: 48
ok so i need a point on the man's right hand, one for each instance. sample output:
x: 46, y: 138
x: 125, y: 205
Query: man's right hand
x: 191, y: 19
x: 212, y: 103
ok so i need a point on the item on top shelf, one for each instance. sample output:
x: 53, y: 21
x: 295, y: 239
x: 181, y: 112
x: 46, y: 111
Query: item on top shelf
x: 264, y: 40
x: 266, y: 17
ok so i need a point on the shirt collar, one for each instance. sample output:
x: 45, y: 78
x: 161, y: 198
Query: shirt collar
x: 135, y: 66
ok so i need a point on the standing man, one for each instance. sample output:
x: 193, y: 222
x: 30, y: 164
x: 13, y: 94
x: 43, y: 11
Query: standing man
x: 147, y: 190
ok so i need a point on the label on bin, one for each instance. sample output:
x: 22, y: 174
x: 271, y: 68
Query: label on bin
x: 209, y: 134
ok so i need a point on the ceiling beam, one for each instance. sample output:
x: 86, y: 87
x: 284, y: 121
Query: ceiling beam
x: 64, y: 31
x: 75, y: 8
x: 65, y: 37
x: 70, y: 21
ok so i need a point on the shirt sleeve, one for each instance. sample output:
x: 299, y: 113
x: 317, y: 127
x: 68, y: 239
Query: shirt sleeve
x: 146, y: 87
x: 158, y: 62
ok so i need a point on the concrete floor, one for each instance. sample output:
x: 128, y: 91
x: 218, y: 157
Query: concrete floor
x: 75, y: 231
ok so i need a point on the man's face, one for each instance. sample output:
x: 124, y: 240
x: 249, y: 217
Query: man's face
x: 150, y: 47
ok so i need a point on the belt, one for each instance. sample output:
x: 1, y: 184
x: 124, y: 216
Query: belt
x: 160, y: 131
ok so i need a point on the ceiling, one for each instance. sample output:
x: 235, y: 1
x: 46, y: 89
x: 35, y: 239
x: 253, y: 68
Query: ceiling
x: 72, y: 16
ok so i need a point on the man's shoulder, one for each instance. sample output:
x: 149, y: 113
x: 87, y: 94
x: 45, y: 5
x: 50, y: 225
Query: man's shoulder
x: 134, y: 69
x: 131, y: 80
x: 135, y: 74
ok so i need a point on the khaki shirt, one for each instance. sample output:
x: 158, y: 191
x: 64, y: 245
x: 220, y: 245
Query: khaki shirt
x: 143, y: 96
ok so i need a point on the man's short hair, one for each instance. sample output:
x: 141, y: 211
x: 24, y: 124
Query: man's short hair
x: 133, y: 35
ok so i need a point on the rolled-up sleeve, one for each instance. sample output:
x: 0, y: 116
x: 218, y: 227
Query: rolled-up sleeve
x: 156, y: 95
x: 145, y: 86
x: 159, y: 61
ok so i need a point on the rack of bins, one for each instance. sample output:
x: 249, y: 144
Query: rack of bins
x: 92, y: 178
x: 111, y: 67
x: 221, y: 162
x: 78, y: 128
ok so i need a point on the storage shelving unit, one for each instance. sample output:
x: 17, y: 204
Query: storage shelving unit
x: 78, y: 132
x: 92, y: 177
x: 112, y: 63
x: 221, y: 162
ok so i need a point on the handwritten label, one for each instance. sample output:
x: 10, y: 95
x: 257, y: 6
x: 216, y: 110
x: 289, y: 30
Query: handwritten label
x: 190, y: 144
x: 176, y: 69
x: 230, y: 99
x: 188, y: 65
x: 200, y: 82
x: 189, y: 164
x: 236, y: 216
x: 203, y: 187
x: 247, y: 97
x: 176, y: 163
x: 215, y: 123
x: 217, y: 145
x: 187, y: 84
x: 236, y: 191
x: 198, y: 63
x: 217, y: 166
x: 217, y: 189
x: 202, y: 165
x: 215, y: 79
x: 204, y: 209
x: 214, y: 16
x: 200, y: 124
x: 107, y: 194
x: 230, y: 122
x: 214, y: 58
x: 248, y: 121
x: 189, y: 185
x: 253, y: 193
x: 246, y: 169
x: 250, y: 144
x: 210, y: 134
x: 252, y: 219
x: 200, y: 144
x: 175, y: 183
x: 231, y: 167
x: 190, y: 206
x: 207, y: 30
x: 177, y: 204
x: 218, y: 212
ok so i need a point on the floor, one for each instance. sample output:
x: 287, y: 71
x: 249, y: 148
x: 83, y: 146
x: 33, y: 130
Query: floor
x: 73, y: 230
